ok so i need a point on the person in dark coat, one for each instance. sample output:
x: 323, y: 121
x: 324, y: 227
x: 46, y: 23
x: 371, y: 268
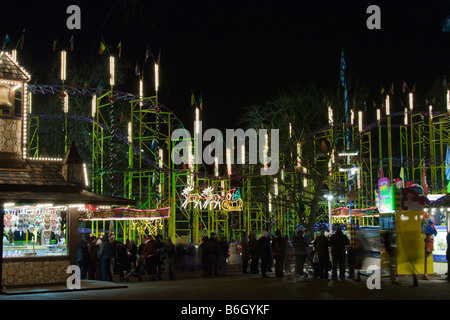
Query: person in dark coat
x: 205, y: 256
x: 224, y: 253
x: 104, y: 255
x: 132, y: 250
x: 168, y: 253
x: 92, y: 249
x: 338, y: 243
x: 300, y: 252
x: 279, y: 253
x: 264, y: 252
x: 213, y: 254
x: 321, y: 245
x: 83, y: 256
x: 253, y: 254
x: 122, y: 261
x: 150, y: 254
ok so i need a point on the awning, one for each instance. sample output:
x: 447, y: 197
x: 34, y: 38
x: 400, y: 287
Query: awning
x: 62, y: 198
x: 126, y: 214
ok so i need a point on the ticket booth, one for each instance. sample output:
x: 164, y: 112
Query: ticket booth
x: 402, y: 240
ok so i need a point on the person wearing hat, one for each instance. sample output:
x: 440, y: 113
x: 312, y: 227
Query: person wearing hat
x: 430, y: 233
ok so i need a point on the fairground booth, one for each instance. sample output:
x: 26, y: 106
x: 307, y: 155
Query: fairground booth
x: 404, y: 216
x: 40, y: 198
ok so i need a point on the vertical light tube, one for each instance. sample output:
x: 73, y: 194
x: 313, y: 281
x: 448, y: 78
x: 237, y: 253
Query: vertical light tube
x: 229, y: 161
x: 86, y: 181
x: 63, y: 65
x: 130, y: 133
x: 30, y: 102
x: 406, y: 116
x: 448, y: 101
x: 275, y: 186
x: 94, y: 106
x: 156, y: 77
x: 111, y: 71
x: 161, y: 164
x: 388, y: 106
x: 411, y: 101
x: 161, y: 157
x: 360, y: 120
x: 378, y: 114
x: 330, y: 115
x: 141, y: 92
x: 66, y: 102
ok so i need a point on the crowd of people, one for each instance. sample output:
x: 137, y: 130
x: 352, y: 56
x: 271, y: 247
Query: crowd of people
x: 100, y: 258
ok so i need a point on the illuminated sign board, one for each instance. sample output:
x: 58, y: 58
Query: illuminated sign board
x: 385, y: 196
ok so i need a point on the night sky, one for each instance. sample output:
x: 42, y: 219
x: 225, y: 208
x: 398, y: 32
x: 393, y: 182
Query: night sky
x: 240, y: 53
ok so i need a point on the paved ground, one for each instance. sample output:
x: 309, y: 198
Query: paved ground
x: 190, y: 286
x: 234, y: 294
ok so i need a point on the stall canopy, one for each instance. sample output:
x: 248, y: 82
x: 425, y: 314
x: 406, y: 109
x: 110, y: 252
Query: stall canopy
x: 125, y: 214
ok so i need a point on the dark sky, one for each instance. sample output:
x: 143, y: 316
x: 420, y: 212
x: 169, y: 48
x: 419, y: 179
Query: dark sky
x: 238, y: 53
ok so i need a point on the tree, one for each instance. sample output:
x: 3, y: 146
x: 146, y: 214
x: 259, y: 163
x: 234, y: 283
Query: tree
x: 308, y: 140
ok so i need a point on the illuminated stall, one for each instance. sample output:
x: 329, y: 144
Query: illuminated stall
x: 40, y: 198
x: 134, y: 224
x: 402, y: 220
x: 439, y: 209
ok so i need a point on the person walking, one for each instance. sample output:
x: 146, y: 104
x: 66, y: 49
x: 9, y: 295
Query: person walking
x: 254, y: 255
x: 104, y: 255
x: 205, y: 257
x: 245, y: 254
x: 321, y: 245
x: 132, y: 252
x: 300, y: 247
x: 279, y: 253
x: 150, y: 254
x: 168, y: 257
x: 224, y: 253
x: 92, y: 249
x: 430, y: 233
x: 338, y: 243
x: 83, y: 256
x: 213, y: 254
x: 264, y: 252
x: 122, y: 261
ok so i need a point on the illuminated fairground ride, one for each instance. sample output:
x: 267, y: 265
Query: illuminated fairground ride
x: 132, y: 159
x: 410, y: 147
x: 148, y: 175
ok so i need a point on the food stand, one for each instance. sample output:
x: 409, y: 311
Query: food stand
x: 401, y: 218
x: 39, y: 198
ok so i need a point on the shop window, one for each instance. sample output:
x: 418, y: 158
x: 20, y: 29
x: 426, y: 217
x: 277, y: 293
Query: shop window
x: 33, y: 231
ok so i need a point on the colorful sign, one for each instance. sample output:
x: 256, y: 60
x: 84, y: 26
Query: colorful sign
x: 385, y: 196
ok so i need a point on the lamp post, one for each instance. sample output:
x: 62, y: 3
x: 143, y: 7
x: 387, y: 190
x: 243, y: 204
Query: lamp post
x: 330, y: 221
